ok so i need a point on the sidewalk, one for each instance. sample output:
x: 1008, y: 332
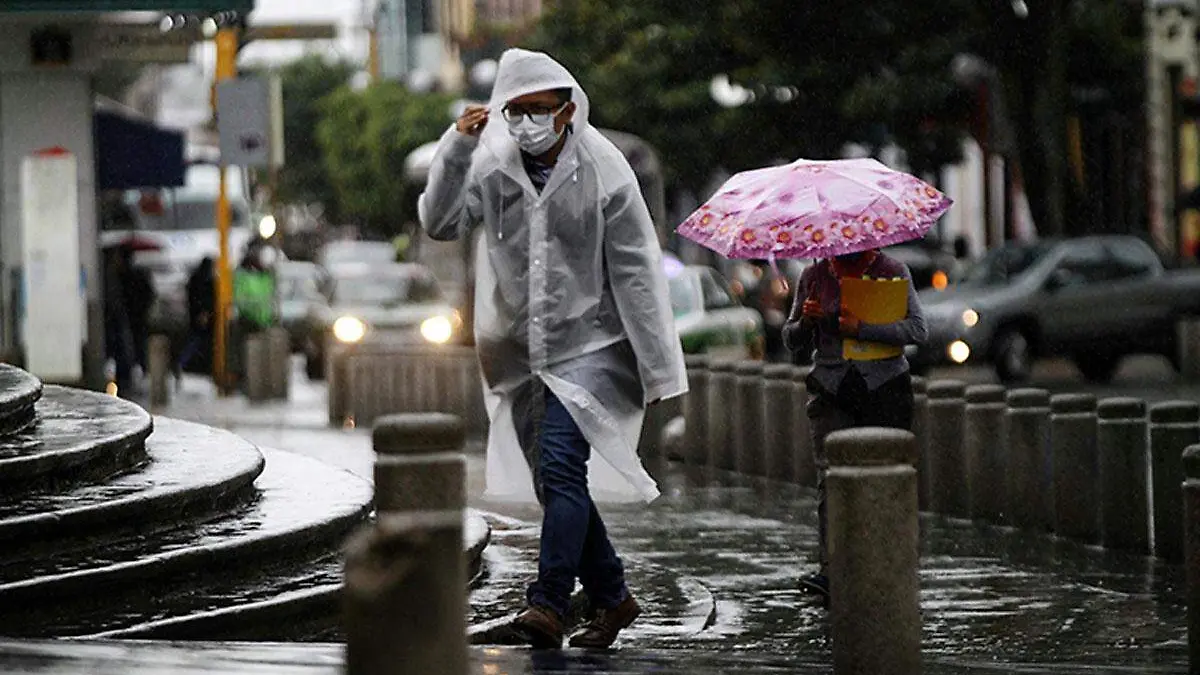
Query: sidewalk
x: 717, y: 570
x: 992, y: 599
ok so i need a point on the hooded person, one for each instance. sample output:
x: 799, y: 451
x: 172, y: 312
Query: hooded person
x: 573, y: 324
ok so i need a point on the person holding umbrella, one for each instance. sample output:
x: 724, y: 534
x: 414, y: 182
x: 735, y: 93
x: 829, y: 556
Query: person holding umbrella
x: 847, y: 393
x: 841, y: 213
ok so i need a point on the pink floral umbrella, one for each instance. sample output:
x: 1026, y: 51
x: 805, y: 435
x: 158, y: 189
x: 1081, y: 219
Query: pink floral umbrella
x: 814, y: 209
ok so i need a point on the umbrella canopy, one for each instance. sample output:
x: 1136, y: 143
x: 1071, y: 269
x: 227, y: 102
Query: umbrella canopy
x: 814, y: 209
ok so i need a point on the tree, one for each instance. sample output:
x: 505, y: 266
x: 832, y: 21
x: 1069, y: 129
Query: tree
x: 364, y: 138
x: 648, y: 66
x: 306, y: 82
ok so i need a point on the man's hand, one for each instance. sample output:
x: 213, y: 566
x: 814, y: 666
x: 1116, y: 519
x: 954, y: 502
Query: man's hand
x: 473, y: 120
x: 848, y: 324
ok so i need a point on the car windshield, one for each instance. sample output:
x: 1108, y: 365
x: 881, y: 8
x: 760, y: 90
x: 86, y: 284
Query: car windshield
x: 297, y: 286
x: 338, y: 252
x: 1003, y: 264
x: 384, y: 289
x: 684, y: 298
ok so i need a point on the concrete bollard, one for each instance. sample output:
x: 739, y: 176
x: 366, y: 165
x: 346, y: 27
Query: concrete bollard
x: 404, y: 602
x: 1188, y: 346
x: 1191, y: 506
x: 944, y: 444
x: 747, y: 419
x: 257, y: 368
x: 1174, y: 425
x: 695, y: 412
x: 419, y: 462
x: 920, y: 426
x: 1029, y: 503
x: 158, y: 355
x: 804, y: 466
x: 1076, y: 467
x: 721, y: 384
x: 1121, y: 444
x: 985, y: 450
x: 873, y: 548
x: 778, y: 435
x: 280, y: 354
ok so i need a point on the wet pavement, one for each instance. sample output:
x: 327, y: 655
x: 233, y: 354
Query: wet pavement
x: 990, y: 596
x: 993, y: 599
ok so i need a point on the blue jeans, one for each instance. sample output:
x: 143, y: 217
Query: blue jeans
x: 574, y: 541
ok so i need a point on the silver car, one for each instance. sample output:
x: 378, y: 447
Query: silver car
x: 393, y: 303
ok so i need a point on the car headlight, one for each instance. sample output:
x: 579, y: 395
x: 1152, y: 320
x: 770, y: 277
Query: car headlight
x: 970, y: 317
x: 267, y: 226
x: 349, y: 329
x: 437, y: 329
x: 959, y: 351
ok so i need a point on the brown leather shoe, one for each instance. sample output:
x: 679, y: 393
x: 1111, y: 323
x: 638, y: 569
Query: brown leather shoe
x: 541, y: 627
x: 602, y: 631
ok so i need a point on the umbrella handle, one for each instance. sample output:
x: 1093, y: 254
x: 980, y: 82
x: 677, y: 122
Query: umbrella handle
x: 778, y: 274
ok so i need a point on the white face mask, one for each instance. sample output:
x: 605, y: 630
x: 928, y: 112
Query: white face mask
x: 534, y: 138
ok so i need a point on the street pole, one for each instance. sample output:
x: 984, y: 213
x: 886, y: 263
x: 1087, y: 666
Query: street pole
x: 227, y: 44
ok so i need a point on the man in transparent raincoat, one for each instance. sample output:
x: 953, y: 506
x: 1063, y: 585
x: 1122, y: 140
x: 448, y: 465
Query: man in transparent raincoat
x: 573, y: 325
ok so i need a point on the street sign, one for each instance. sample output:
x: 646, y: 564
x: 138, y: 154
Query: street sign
x: 244, y: 121
x: 144, y: 44
x: 292, y: 31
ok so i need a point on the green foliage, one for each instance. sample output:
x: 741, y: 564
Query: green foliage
x: 364, y: 138
x: 871, y: 72
x: 306, y: 82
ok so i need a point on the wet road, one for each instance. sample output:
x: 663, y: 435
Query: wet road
x: 1146, y: 377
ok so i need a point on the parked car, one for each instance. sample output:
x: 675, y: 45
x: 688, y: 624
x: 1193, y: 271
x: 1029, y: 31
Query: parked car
x: 301, y: 287
x: 1093, y: 299
x: 396, y: 302
x: 708, y: 316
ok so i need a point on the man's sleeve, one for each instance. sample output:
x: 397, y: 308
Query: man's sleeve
x: 451, y: 203
x: 639, y: 285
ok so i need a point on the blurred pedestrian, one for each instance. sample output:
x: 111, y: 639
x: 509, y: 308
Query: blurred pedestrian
x: 845, y: 393
x: 138, y: 289
x: 118, y: 337
x: 201, y: 298
x: 574, y: 327
x: 253, y: 301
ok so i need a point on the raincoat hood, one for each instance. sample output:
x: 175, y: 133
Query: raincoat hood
x: 524, y: 72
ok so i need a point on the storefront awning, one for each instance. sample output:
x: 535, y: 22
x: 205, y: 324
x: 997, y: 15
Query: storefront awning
x: 186, y: 6
x: 134, y: 153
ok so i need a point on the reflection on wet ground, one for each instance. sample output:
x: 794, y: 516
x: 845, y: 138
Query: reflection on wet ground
x: 990, y: 596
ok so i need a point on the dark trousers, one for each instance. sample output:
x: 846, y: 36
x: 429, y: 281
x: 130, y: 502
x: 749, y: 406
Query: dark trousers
x: 854, y: 405
x: 574, y: 541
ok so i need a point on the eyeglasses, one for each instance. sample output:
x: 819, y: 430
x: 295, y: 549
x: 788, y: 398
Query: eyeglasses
x: 537, y: 114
